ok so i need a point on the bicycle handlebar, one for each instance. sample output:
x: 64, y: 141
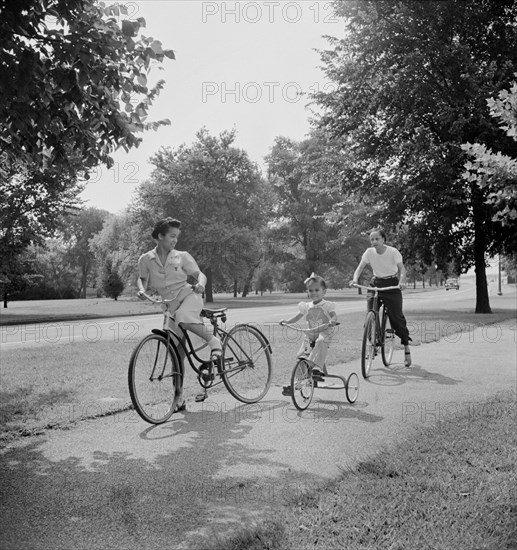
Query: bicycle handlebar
x: 161, y: 300
x: 396, y: 287
x: 154, y: 300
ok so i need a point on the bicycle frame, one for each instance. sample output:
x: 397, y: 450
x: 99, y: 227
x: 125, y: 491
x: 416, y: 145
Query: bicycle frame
x: 160, y: 355
x: 174, y: 340
x: 374, y: 333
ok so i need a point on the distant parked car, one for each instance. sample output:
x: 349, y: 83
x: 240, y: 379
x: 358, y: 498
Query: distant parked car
x: 452, y: 283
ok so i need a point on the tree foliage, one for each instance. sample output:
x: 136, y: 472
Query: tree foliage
x: 112, y: 283
x: 74, y: 86
x: 220, y: 197
x: 492, y: 170
x: 78, y: 228
x: 70, y: 74
x: 308, y: 227
x: 121, y: 242
x: 31, y: 204
x: 412, y: 79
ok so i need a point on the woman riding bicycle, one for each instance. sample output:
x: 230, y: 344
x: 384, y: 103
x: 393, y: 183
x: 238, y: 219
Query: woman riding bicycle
x: 388, y: 270
x: 166, y: 270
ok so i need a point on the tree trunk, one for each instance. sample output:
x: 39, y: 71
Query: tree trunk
x: 235, y: 288
x: 5, y: 299
x: 209, y: 295
x: 84, y: 275
x: 482, y: 300
x: 245, y: 290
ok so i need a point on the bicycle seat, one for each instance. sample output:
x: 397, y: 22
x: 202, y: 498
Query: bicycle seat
x: 209, y: 313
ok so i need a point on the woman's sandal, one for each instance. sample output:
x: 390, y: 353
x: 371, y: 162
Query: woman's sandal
x: 182, y: 407
x: 407, y: 358
x: 215, y: 354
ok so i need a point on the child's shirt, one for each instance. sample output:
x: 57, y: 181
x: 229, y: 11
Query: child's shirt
x: 170, y: 278
x: 317, y: 314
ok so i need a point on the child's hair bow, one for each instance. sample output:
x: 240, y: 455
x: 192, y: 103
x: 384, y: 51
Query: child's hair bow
x: 311, y: 276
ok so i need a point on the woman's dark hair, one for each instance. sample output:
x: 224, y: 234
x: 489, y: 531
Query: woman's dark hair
x: 378, y: 230
x: 164, y: 225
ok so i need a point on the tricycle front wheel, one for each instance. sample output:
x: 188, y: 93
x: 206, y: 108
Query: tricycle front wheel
x: 302, y: 385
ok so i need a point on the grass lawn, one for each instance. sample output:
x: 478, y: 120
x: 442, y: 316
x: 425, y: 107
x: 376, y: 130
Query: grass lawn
x: 51, y: 386
x: 449, y: 486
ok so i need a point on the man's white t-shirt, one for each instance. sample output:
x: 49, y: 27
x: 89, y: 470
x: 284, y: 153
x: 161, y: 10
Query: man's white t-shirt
x: 383, y: 265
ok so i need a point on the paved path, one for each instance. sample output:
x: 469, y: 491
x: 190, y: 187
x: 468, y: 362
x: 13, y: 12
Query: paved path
x: 118, y: 483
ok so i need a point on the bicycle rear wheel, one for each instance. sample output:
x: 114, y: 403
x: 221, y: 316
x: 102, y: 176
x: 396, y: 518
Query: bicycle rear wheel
x: 154, y: 379
x: 245, y: 365
x: 368, y: 349
x: 352, y: 388
x: 388, y: 339
x: 302, y: 385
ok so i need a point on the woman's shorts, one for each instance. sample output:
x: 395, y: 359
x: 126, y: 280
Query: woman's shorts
x: 186, y: 307
x: 189, y: 310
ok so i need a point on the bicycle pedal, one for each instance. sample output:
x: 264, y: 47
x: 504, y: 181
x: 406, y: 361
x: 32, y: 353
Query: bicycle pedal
x: 200, y: 397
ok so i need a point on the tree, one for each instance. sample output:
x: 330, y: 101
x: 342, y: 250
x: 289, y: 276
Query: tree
x: 78, y: 228
x: 45, y: 273
x: 265, y: 278
x: 121, y: 241
x: 70, y: 74
x: 66, y: 67
x: 493, y: 171
x: 221, y: 199
x: 308, y: 209
x: 31, y: 207
x: 112, y: 284
x: 411, y: 81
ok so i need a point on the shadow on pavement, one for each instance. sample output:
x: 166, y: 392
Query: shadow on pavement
x: 144, y: 494
x: 397, y: 375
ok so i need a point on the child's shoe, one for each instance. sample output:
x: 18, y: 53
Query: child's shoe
x: 318, y: 375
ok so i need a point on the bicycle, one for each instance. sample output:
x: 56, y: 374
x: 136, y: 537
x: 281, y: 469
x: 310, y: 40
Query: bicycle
x: 377, y: 332
x: 306, y: 376
x: 156, y: 373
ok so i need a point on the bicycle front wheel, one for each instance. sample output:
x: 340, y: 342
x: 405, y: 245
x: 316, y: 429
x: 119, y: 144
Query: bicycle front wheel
x: 368, y: 349
x: 302, y: 385
x: 388, y: 339
x: 246, y: 365
x: 154, y: 379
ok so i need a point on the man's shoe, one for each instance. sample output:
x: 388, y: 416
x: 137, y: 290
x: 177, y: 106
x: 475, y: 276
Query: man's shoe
x: 287, y: 390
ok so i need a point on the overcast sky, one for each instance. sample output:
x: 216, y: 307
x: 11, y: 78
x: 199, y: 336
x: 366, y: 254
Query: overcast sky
x: 238, y: 65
